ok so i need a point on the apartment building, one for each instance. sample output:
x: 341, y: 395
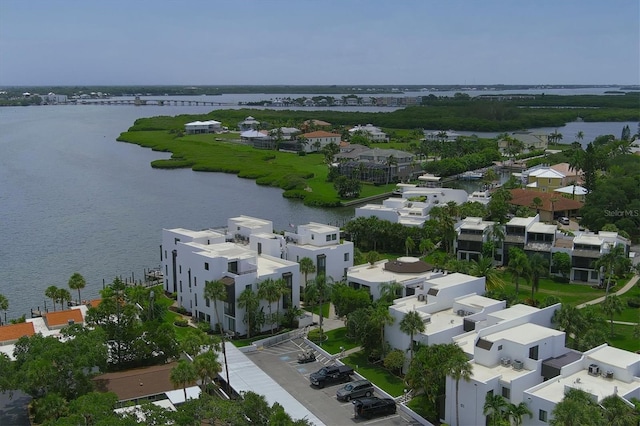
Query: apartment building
x: 472, y: 234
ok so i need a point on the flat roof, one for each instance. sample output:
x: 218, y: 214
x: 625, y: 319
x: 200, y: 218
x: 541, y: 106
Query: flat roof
x: 593, y: 240
x: 195, y: 234
x: 443, y: 320
x: 249, y: 221
x: 524, y: 334
x: 554, y: 390
x: 269, y: 264
x: 137, y: 382
x: 520, y: 221
x: 319, y: 227
x: 477, y: 301
x: 515, y: 311
x: 543, y: 228
x: 613, y: 356
x: 378, y: 274
x: 245, y: 376
x: 455, y: 278
x: 483, y: 373
x: 228, y: 250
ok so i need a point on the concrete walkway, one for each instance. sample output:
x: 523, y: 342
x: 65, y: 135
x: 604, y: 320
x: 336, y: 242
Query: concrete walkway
x: 628, y: 286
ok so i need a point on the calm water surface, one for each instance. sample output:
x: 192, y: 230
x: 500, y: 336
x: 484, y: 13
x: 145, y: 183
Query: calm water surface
x: 74, y: 199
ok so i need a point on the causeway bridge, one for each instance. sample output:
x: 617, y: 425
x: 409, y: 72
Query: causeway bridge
x: 155, y: 102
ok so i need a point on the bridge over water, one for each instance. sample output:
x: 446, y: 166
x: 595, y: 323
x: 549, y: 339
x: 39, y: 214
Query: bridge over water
x: 155, y: 102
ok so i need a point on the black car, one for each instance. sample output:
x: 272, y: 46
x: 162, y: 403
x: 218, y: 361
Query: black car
x: 372, y: 407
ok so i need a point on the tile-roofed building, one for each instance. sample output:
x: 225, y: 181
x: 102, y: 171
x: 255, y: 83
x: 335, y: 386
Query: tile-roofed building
x: 553, y: 205
x: 12, y: 332
x: 59, y: 319
x: 318, y: 139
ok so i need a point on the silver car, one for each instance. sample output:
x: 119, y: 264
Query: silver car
x: 355, y: 389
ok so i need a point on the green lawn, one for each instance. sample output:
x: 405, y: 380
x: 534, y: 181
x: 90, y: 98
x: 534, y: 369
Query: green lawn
x: 337, y: 338
x: 375, y: 373
x: 302, y: 177
x: 573, y: 294
x: 629, y: 314
x: 623, y: 337
x: 325, y: 309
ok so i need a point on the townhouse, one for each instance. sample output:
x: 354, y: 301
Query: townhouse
x: 472, y: 234
x: 243, y: 255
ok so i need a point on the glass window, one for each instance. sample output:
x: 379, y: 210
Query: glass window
x: 346, y: 257
x: 506, y: 392
x: 206, y: 266
x: 542, y: 416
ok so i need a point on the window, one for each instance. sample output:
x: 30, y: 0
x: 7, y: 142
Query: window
x: 206, y: 266
x: 500, y: 347
x: 165, y: 255
x: 180, y: 285
x: 334, y: 237
x: 312, y: 236
x: 232, y: 267
x: 542, y: 416
x: 176, y: 241
x: 346, y: 257
x: 533, y: 352
x: 321, y: 261
x: 195, y: 298
x: 195, y: 282
x: 180, y: 269
x: 328, y: 237
x: 259, y: 248
x: 506, y: 393
x: 207, y: 302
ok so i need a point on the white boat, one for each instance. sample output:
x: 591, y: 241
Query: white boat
x: 471, y: 176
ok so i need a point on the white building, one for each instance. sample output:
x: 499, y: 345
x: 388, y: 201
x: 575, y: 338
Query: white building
x: 472, y: 233
x: 412, y: 209
x: 447, y: 136
x: 197, y: 127
x: 244, y: 254
x: 317, y: 140
x: 321, y: 243
x: 371, y: 132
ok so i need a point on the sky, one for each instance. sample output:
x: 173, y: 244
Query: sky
x: 319, y: 42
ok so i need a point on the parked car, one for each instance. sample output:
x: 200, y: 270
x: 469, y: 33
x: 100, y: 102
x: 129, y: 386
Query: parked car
x: 331, y: 374
x: 372, y: 407
x: 355, y: 389
x: 564, y: 220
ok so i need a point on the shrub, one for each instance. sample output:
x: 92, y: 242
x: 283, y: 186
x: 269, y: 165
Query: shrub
x: 181, y: 323
x: 314, y: 336
x: 634, y: 303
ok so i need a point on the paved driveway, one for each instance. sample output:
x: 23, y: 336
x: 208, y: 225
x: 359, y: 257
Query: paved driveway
x: 281, y: 364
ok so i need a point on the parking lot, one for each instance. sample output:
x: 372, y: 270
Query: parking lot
x: 281, y: 364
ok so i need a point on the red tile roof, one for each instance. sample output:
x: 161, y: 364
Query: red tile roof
x: 55, y: 319
x: 524, y: 197
x: 13, y: 332
x: 321, y: 134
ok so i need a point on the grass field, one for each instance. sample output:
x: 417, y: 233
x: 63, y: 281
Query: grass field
x: 375, y: 373
x: 302, y: 177
x: 337, y: 339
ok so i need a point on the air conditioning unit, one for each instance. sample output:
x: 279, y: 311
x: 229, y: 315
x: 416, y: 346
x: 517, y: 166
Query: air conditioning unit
x: 505, y: 361
x: 460, y: 312
x: 517, y: 364
x: 421, y: 297
x: 594, y: 370
x: 608, y: 374
x: 427, y: 320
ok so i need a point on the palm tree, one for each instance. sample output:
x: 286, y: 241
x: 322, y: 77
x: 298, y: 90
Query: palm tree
x: 307, y: 267
x: 458, y: 367
x: 579, y: 136
x: 207, y: 366
x: 611, y: 306
x: 379, y: 318
x: 409, y: 245
x: 52, y: 293
x: 281, y: 288
x: 610, y: 262
x: 389, y: 291
x: 484, y: 267
x: 250, y: 302
x: 323, y: 286
x: 183, y: 374
x: 425, y: 247
x: 515, y: 412
x: 494, y: 406
x: 62, y: 296
x: 410, y: 324
x: 4, y: 306
x: 496, y: 236
x: 538, y: 267
x: 391, y: 161
x: 617, y: 413
x: 77, y: 282
x: 518, y: 266
x: 537, y: 204
x: 268, y: 291
x: 215, y: 291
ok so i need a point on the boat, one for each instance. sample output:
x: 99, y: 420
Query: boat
x: 471, y: 176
